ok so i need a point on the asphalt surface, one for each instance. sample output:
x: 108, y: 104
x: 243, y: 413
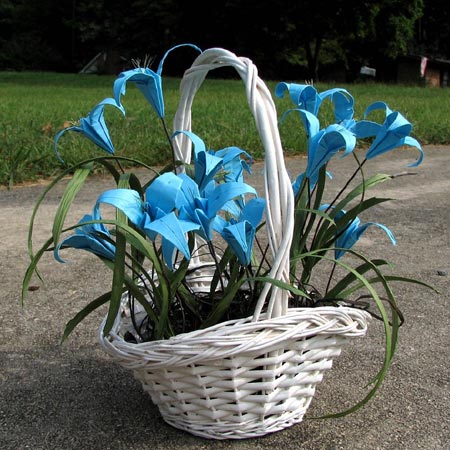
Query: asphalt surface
x: 73, y: 396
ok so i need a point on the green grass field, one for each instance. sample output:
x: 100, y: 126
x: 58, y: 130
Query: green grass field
x: 34, y: 106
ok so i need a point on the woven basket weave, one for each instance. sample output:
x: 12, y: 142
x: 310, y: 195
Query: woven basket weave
x: 249, y: 377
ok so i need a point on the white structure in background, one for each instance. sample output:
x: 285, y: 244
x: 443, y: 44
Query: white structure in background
x: 368, y: 71
x: 92, y: 65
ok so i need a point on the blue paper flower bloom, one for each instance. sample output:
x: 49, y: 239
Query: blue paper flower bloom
x: 306, y: 97
x: 202, y: 207
x: 94, y: 238
x: 233, y: 165
x: 393, y: 133
x: 147, y: 81
x: 93, y: 127
x: 155, y: 216
x: 162, y: 198
x: 240, y: 233
x: 351, y: 232
x: 322, y: 146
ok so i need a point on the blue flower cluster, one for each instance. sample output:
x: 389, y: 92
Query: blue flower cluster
x: 342, y: 136
x: 216, y: 199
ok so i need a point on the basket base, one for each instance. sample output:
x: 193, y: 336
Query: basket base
x: 239, y: 379
x: 235, y: 401
x: 243, y: 430
x: 230, y: 420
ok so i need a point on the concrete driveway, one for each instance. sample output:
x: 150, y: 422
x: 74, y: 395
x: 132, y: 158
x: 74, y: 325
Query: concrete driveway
x: 73, y: 396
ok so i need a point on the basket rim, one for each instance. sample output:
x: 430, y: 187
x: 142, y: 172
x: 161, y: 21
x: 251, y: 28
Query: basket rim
x: 234, y: 337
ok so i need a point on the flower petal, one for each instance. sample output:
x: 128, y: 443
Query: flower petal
x: 93, y: 127
x: 127, y: 200
x: 365, y: 128
x: 161, y: 63
x: 147, y: 81
x: 377, y: 105
x: 310, y: 121
x: 304, y: 96
x: 88, y: 237
x: 394, y: 133
x: 253, y: 211
x: 240, y: 238
x: 325, y: 145
x: 233, y: 164
x: 163, y: 192
x: 353, y: 233
x: 173, y: 231
x: 343, y: 103
x: 225, y: 192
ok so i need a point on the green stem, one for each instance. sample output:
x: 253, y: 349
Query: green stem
x: 339, y: 194
x: 212, y: 252
x: 170, y: 143
x: 329, y: 279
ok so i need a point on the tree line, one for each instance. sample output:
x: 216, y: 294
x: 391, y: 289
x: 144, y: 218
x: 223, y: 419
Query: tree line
x: 308, y: 38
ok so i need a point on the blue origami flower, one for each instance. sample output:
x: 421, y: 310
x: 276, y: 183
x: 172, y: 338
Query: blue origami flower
x: 147, y: 81
x: 352, y: 232
x: 393, y: 133
x: 322, y: 146
x: 240, y: 233
x: 156, y: 215
x: 202, y: 207
x: 173, y: 232
x: 209, y: 163
x: 91, y: 237
x: 126, y: 200
x: 233, y: 165
x: 93, y: 127
x: 306, y: 97
x: 162, y: 199
x: 206, y: 164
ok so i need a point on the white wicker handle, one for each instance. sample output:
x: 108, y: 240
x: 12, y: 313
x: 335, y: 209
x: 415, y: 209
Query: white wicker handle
x: 278, y: 189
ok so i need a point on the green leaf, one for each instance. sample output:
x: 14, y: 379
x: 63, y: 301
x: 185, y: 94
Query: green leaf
x: 221, y: 269
x: 390, y: 341
x: 117, y: 283
x: 32, y: 267
x: 118, y: 273
x: 337, y: 290
x: 280, y: 284
x: 72, y: 189
x: 390, y: 327
x: 320, y: 187
x: 234, y: 284
x: 104, y: 160
x: 375, y: 280
x: 361, y: 188
x: 92, y: 306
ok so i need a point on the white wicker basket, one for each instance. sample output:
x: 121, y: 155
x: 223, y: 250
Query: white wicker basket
x: 242, y: 378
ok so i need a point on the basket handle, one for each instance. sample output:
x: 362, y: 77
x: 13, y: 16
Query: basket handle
x: 278, y: 189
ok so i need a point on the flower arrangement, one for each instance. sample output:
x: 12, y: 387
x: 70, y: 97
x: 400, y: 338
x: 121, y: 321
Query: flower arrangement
x: 186, y: 249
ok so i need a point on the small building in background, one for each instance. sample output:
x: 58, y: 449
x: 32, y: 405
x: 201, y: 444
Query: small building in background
x: 107, y: 62
x: 368, y: 72
x: 423, y: 71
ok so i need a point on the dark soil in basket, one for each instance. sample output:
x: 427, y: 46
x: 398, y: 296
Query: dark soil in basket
x: 183, y: 320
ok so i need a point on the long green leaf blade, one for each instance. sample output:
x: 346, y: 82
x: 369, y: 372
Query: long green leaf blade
x: 92, y: 306
x: 67, y: 199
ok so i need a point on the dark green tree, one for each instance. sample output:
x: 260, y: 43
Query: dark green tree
x: 433, y: 31
x: 317, y: 33
x: 298, y: 39
x: 34, y: 35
